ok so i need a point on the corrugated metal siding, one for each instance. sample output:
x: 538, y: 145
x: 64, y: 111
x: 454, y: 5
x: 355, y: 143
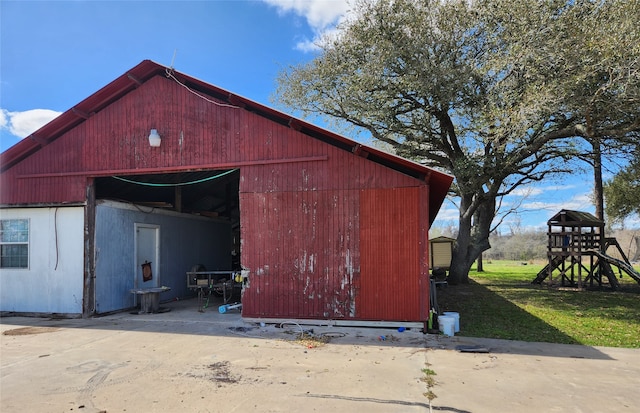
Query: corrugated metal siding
x: 194, y: 132
x: 42, y: 190
x: 390, y: 254
x: 301, y: 250
x: 296, y: 214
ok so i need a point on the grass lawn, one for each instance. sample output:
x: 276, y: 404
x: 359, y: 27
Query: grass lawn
x: 502, y: 303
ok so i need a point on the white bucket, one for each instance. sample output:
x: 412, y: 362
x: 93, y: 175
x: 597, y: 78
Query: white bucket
x: 447, y: 325
x: 456, y: 317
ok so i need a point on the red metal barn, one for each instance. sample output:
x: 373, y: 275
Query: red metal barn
x: 326, y: 227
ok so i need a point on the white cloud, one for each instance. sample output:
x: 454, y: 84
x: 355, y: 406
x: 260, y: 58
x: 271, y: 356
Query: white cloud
x: 307, y: 45
x: 560, y: 187
x: 526, y: 192
x: 23, y: 124
x: 533, y: 191
x: 321, y: 15
x: 4, y: 121
x: 578, y: 202
x: 446, y: 214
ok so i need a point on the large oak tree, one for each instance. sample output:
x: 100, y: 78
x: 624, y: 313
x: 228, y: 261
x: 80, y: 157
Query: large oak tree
x: 497, y: 93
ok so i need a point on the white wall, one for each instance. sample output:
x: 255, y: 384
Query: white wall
x: 53, y: 283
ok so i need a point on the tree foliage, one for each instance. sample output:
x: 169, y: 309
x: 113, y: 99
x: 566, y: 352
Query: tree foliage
x: 622, y: 192
x: 493, y: 92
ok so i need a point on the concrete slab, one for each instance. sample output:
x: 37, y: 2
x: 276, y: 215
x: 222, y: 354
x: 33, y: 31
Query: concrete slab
x: 515, y: 376
x: 185, y: 360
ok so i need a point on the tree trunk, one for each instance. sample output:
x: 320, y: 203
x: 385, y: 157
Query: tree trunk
x: 473, y: 237
x: 479, y: 266
x: 598, y: 194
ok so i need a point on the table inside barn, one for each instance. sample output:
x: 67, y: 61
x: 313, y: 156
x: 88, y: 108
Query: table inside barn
x: 206, y: 282
x: 149, y: 298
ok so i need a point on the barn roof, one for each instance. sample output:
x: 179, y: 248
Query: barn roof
x: 438, y: 182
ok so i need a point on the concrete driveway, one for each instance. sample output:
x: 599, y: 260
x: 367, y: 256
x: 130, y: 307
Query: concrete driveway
x: 185, y: 360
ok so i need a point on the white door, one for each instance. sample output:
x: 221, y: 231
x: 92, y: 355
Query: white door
x: 147, y: 251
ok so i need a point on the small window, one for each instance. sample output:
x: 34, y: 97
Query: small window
x: 14, y: 243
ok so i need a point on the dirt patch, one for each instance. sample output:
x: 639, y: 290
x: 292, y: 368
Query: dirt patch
x: 219, y: 373
x: 25, y: 331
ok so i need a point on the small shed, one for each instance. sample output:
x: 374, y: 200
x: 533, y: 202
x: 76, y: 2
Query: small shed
x: 159, y: 167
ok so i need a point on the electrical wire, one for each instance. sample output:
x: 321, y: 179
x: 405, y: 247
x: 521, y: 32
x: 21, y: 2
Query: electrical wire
x: 211, y: 178
x: 55, y: 229
x: 170, y: 75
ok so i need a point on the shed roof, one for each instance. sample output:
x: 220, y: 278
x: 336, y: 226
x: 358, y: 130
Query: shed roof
x: 442, y: 239
x: 439, y: 182
x: 568, y: 217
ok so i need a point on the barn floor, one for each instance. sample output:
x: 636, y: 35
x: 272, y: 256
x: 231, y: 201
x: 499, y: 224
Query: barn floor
x: 185, y: 360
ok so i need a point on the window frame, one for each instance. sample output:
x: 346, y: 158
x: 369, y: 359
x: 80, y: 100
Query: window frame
x: 27, y: 243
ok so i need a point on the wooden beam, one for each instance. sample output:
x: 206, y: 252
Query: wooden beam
x: 137, y: 81
x: 295, y: 124
x: 360, y: 151
x: 235, y: 101
x: 178, y: 198
x: 143, y: 171
x: 80, y: 113
x: 38, y: 140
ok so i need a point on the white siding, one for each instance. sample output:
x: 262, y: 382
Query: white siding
x: 53, y: 283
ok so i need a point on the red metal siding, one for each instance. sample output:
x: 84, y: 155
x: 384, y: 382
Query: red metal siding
x: 297, y: 214
x: 390, y: 254
x: 195, y: 133
x: 302, y: 252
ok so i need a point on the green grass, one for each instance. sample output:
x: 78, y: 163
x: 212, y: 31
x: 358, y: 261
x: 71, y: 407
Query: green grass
x: 502, y: 303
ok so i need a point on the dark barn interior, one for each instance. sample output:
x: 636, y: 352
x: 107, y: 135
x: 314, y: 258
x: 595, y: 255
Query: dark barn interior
x: 211, y: 193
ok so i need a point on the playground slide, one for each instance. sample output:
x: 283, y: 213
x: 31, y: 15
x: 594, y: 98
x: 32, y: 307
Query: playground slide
x: 627, y: 268
x: 605, y: 266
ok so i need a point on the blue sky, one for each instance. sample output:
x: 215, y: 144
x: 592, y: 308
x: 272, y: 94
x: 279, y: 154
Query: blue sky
x: 54, y: 54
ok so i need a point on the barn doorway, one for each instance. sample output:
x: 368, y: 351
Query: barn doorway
x: 197, y: 213
x: 211, y: 192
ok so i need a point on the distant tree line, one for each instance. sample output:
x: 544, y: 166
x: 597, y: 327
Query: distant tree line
x: 531, y: 245
x: 525, y: 246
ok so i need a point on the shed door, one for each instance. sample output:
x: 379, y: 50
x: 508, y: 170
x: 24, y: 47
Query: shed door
x: 147, y: 250
x: 441, y: 254
x: 390, y: 254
